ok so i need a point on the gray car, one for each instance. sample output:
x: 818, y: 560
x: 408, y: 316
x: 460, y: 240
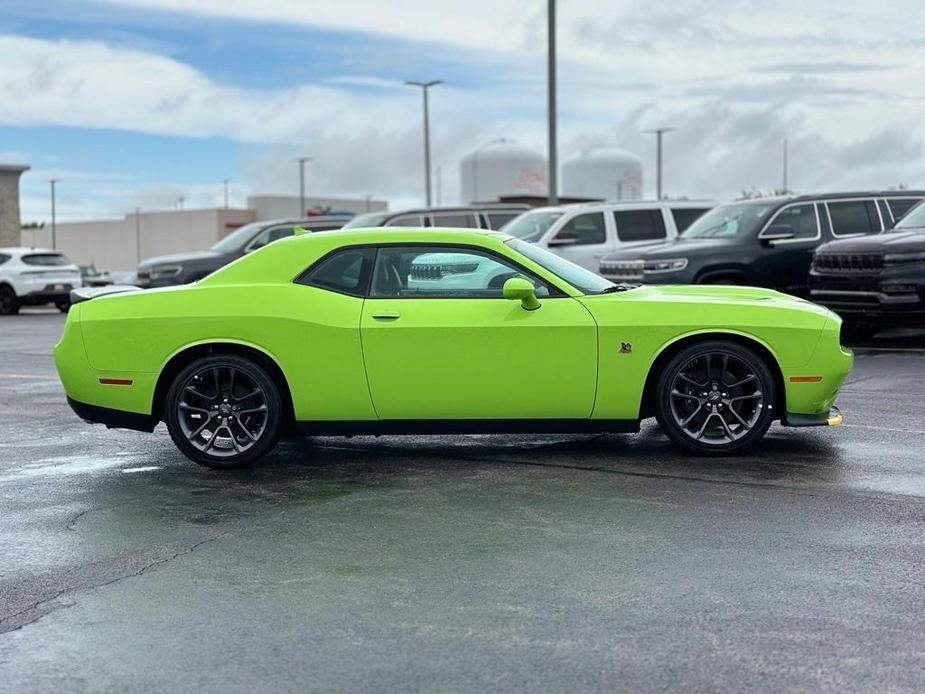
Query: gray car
x: 183, y: 268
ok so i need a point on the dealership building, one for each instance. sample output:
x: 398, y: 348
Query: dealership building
x: 120, y: 244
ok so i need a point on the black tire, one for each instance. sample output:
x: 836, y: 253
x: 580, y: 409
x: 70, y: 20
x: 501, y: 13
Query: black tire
x: 857, y: 332
x: 217, y: 387
x: 710, y: 416
x: 63, y: 306
x: 9, y: 302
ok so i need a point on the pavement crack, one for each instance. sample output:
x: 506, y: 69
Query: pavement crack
x: 35, y: 609
x: 72, y: 524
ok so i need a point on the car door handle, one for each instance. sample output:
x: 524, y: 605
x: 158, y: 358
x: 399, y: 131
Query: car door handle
x: 386, y: 315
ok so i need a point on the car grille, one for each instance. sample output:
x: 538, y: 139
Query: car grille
x: 838, y: 263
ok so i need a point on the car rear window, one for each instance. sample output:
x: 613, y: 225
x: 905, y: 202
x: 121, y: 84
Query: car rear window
x: 639, y: 225
x: 46, y: 259
x: 3, y: 258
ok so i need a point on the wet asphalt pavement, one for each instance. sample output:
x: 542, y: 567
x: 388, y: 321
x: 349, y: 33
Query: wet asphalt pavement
x: 524, y: 563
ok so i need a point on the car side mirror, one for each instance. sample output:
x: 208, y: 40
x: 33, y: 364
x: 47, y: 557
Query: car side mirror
x: 522, y: 290
x: 778, y: 232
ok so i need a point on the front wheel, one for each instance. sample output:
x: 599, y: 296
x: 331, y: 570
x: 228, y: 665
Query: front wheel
x: 715, y: 398
x: 224, y: 412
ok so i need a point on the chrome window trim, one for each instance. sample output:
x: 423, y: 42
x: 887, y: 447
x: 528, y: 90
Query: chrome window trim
x: 782, y: 242
x: 848, y: 236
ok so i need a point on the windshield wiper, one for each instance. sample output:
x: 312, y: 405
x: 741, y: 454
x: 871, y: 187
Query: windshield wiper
x: 618, y: 288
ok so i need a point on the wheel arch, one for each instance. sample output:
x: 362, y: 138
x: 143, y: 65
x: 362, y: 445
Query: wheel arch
x: 669, y: 349
x: 719, y: 271
x: 186, y: 355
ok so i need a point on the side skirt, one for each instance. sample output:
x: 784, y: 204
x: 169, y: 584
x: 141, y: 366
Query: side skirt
x: 467, y: 426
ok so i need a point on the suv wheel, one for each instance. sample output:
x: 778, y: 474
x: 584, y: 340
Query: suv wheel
x: 715, y: 398
x: 224, y: 412
x: 858, y: 331
x: 9, y: 302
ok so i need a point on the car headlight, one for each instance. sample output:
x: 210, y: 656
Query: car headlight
x: 164, y: 271
x: 902, y: 258
x: 669, y: 265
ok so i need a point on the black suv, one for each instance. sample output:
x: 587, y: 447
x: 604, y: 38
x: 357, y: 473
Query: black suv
x: 765, y: 242
x: 487, y: 216
x: 183, y: 268
x: 874, y: 281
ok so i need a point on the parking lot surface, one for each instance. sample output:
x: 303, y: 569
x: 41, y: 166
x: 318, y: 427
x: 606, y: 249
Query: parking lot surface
x: 463, y: 563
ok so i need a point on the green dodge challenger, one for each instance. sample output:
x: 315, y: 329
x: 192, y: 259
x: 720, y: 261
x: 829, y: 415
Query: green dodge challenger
x: 379, y: 331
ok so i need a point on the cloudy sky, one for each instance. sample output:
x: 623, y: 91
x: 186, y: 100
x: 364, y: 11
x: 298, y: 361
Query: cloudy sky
x: 137, y: 102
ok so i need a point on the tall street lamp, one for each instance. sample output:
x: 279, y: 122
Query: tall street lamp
x: 301, y: 161
x: 54, y: 220
x: 552, y: 154
x: 425, y: 86
x: 658, y: 158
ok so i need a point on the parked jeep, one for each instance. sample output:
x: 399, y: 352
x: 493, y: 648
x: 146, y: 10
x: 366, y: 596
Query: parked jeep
x: 765, y: 242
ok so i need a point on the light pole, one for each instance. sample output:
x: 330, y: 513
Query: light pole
x: 552, y: 147
x: 54, y: 220
x: 225, y: 191
x: 785, y: 165
x: 138, y: 234
x: 658, y: 158
x: 425, y: 86
x: 301, y: 161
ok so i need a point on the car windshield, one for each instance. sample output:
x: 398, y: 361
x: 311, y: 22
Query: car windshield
x: 370, y: 219
x: 913, y: 219
x: 583, y: 280
x: 730, y: 220
x: 237, y: 238
x: 531, y: 226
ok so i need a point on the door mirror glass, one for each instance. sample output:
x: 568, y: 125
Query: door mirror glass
x: 522, y: 290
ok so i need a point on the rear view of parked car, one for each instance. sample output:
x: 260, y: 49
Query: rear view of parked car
x: 487, y: 216
x: 766, y: 242
x: 30, y: 276
x: 587, y: 232
x: 874, y: 281
x: 183, y: 268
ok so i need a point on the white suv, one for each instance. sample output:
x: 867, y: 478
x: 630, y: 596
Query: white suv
x: 36, y: 276
x: 586, y: 232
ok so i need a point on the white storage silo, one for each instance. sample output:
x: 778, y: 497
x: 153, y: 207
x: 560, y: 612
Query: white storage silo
x: 502, y: 167
x: 603, y: 172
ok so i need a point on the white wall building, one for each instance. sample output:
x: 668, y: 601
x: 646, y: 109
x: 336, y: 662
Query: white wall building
x: 502, y: 167
x: 603, y: 172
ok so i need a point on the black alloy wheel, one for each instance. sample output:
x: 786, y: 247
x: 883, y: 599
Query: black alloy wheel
x: 224, y: 412
x: 715, y: 398
x: 9, y: 303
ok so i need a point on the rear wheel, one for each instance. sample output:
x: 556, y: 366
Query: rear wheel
x: 715, y: 398
x: 63, y: 306
x: 9, y: 303
x: 224, y: 412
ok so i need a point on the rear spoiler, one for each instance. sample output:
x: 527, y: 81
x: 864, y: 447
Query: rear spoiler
x: 87, y: 293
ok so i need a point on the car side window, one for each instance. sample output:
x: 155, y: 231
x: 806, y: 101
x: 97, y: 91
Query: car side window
x: 457, y: 220
x: 899, y: 206
x: 435, y: 272
x: 405, y: 220
x: 584, y: 229
x: 269, y: 236
x: 639, y: 225
x: 345, y: 272
x: 685, y: 216
x: 800, y: 218
x: 851, y: 217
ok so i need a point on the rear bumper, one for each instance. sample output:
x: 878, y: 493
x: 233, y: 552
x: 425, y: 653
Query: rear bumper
x: 113, y: 419
x: 47, y: 294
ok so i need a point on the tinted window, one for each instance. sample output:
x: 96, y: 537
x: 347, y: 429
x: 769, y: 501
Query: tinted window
x: 436, y: 272
x: 899, y: 206
x: 46, y: 259
x: 269, y: 236
x: 345, y: 272
x: 800, y: 218
x: 853, y: 217
x: 496, y: 220
x: 3, y: 258
x: 405, y: 220
x: 460, y: 220
x: 639, y: 225
x: 684, y: 217
x: 585, y: 229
